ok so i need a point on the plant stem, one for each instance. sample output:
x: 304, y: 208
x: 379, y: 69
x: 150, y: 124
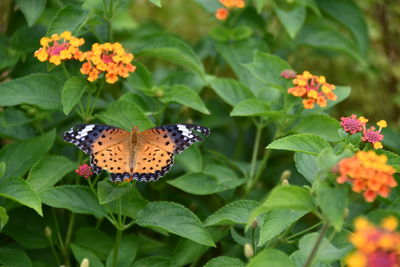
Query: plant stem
x: 255, y: 150
x: 69, y: 230
x: 116, y: 246
x: 304, y: 231
x: 253, y: 239
x: 317, y: 245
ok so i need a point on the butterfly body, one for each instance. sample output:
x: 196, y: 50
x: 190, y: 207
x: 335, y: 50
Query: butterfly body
x: 143, y: 156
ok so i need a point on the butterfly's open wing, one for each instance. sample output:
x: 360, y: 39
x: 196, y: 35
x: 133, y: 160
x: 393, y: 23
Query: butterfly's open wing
x: 155, y: 156
x: 108, y: 146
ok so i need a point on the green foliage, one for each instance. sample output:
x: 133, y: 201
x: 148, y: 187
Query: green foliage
x: 261, y: 190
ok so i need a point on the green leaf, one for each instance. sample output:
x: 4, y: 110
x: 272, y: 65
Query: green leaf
x: 224, y: 261
x: 171, y: 48
x: 186, y: 252
x: 107, y: 192
x: 19, y: 190
x: 185, y: 96
x: 306, y: 143
x: 267, y: 68
x: 350, y: 16
x: 327, y: 195
x: 163, y: 215
x: 32, y: 9
x: 319, y: 34
x: 14, y: 124
x: 76, y: 198
x: 156, y: 2
x: 82, y: 253
x: 286, y: 197
x: 68, y: 18
x: 260, y: 5
x: 126, y: 251
x: 2, y: 169
x: 93, y: 239
x: 125, y: 114
x: 212, y: 180
x: 392, y: 158
x: 154, y: 261
x: 253, y: 107
x: 237, y: 212
x: 72, y: 92
x: 14, y: 257
x: 307, y: 165
x: 132, y: 203
x: 300, y: 260
x: 20, y: 156
x: 42, y: 90
x: 273, y: 257
x: 3, y: 217
x: 49, y: 171
x: 277, y: 221
x: 292, y: 16
x: 141, y: 79
x: 231, y: 91
x: 326, y: 252
x: 192, y: 160
x: 319, y: 124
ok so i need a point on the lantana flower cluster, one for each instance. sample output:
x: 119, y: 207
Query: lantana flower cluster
x: 58, y: 48
x: 313, y: 89
x: 354, y: 125
x: 223, y: 12
x: 368, y: 173
x: 375, y: 245
x: 109, y: 59
x: 84, y: 170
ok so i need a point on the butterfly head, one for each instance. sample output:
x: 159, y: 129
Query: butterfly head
x: 135, y: 129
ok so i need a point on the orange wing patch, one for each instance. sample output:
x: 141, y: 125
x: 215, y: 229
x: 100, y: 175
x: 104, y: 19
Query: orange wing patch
x: 109, y: 138
x: 160, y: 138
x: 114, y: 159
x: 152, y: 162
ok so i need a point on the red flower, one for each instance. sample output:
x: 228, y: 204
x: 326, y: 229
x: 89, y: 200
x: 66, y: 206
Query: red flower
x: 85, y: 171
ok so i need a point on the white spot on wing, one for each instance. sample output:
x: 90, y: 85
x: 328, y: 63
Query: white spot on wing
x: 85, y: 131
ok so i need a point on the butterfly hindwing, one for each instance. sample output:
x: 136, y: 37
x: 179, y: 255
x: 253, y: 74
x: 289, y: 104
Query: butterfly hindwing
x: 175, y: 137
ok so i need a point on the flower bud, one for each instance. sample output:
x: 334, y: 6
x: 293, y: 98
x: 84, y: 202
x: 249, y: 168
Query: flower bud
x: 285, y: 182
x: 159, y: 93
x: 285, y: 175
x: 254, y: 224
x: 248, y: 250
x: 47, y: 231
x: 85, y: 262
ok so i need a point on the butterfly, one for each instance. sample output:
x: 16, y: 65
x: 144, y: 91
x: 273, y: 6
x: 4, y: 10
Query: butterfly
x: 142, y: 156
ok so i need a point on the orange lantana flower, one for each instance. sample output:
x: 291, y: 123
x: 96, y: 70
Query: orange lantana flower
x: 110, y: 59
x: 368, y: 173
x: 375, y: 246
x: 58, y: 48
x: 222, y: 13
x: 313, y: 89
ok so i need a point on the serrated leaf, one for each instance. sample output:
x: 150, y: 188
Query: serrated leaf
x: 48, y: 171
x: 307, y: 165
x: 192, y: 159
x: 20, y: 156
x: 76, y: 198
x: 212, y: 180
x: 292, y: 16
x: 237, y: 212
x: 131, y: 204
x: 19, y: 190
x: 32, y: 9
x: 3, y: 217
x: 14, y: 257
x: 267, y: 68
x: 82, y: 253
x: 224, y: 261
x: 277, y: 221
x: 169, y: 48
x: 125, y: 114
x: 107, y: 192
x: 126, y: 252
x: 72, y: 92
x: 42, y: 90
x: 285, y: 197
x: 185, y: 96
x: 231, y: 91
x: 93, y: 239
x: 327, y: 195
x: 326, y: 252
x: 319, y: 124
x: 253, y: 107
x: 154, y: 261
x: 274, y: 258
x: 156, y: 2
x: 163, y: 215
x: 68, y: 18
x: 306, y: 143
